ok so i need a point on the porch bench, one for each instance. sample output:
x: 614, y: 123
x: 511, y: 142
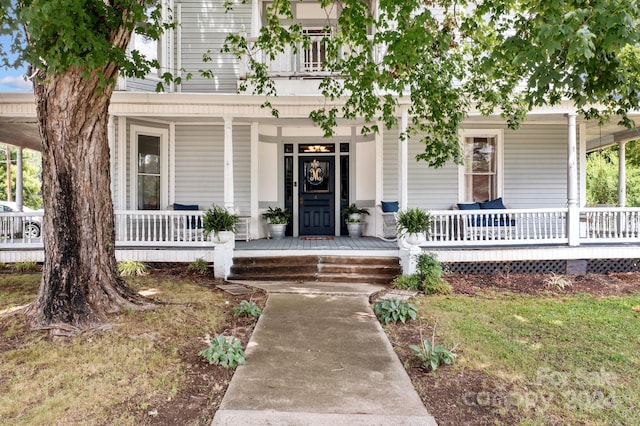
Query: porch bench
x: 491, y: 225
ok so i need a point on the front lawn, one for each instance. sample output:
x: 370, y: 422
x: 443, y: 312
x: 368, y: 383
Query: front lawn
x: 144, y: 369
x: 531, y: 359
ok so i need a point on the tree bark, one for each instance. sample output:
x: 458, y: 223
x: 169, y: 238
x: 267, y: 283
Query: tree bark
x: 80, y: 281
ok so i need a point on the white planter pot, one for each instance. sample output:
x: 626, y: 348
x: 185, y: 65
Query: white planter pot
x: 222, y: 237
x: 415, y: 238
x: 355, y: 229
x: 277, y: 230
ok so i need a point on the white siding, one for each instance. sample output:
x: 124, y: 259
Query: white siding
x: 242, y: 168
x: 204, y: 25
x: 390, y: 166
x: 429, y: 188
x: 535, y: 166
x: 199, y: 165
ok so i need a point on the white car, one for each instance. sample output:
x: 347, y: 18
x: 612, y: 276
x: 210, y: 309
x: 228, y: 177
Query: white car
x: 31, y: 225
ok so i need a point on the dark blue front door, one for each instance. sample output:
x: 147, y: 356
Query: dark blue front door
x: 316, y: 198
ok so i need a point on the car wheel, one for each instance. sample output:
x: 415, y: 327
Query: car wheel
x: 31, y: 230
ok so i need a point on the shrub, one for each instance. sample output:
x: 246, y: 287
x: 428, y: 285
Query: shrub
x: 26, y: 266
x: 247, y: 308
x: 394, y: 310
x: 224, y: 351
x: 130, y: 268
x: 429, y: 272
x: 410, y: 282
x: 198, y: 266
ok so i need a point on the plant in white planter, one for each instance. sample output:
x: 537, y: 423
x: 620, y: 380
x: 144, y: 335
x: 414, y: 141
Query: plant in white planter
x: 354, y: 220
x: 277, y: 220
x: 221, y: 222
x: 355, y: 227
x: 414, y: 225
x: 354, y: 212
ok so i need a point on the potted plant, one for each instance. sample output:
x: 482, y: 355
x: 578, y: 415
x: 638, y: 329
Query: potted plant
x: 277, y: 220
x: 413, y: 225
x: 354, y: 212
x: 221, y: 222
x: 355, y: 226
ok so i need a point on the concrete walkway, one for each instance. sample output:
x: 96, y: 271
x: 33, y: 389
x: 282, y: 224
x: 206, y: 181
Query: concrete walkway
x: 318, y: 356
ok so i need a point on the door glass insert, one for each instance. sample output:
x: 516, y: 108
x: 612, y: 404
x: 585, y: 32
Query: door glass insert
x: 316, y: 176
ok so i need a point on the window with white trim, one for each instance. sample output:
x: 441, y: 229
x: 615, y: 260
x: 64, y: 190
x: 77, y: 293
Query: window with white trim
x: 481, y: 177
x: 149, y: 48
x: 149, y: 166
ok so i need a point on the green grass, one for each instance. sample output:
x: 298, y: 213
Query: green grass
x: 91, y: 378
x: 574, y: 359
x: 17, y: 290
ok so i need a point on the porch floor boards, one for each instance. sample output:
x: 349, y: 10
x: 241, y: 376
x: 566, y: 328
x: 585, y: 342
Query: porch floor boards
x: 335, y: 244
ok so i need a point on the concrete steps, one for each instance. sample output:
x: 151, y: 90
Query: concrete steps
x: 373, y: 270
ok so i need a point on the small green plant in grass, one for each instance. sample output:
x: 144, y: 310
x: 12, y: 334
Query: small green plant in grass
x: 26, y: 266
x: 132, y: 268
x: 433, y: 355
x: 394, y: 310
x: 247, y: 308
x: 225, y: 351
x: 198, y: 266
x: 557, y: 282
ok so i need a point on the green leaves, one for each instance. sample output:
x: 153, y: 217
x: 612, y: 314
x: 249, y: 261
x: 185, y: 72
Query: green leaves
x: 432, y: 355
x: 394, y: 310
x: 225, y: 351
x: 247, y: 308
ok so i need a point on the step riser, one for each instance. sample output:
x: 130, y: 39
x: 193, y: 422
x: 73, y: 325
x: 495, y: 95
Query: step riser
x: 375, y: 270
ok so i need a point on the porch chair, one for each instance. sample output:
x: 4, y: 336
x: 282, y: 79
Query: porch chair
x: 186, y: 228
x: 389, y: 213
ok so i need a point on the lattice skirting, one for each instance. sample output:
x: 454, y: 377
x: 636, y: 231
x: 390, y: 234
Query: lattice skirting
x: 595, y: 266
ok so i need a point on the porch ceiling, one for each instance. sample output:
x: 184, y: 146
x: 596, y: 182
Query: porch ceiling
x: 20, y: 132
x: 18, y: 121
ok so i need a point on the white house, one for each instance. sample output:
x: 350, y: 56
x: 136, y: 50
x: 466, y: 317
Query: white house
x: 202, y: 143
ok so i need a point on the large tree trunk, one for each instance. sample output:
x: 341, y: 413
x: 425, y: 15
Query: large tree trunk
x: 80, y: 282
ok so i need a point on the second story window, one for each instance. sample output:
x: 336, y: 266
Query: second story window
x: 149, y: 48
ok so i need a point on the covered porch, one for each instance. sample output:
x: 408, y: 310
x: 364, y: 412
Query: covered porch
x: 509, y: 237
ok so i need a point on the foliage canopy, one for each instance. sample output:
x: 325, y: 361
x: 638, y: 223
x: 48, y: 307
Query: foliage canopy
x: 438, y: 59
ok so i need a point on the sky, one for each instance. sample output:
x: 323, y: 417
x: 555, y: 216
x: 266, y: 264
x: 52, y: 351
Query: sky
x: 12, y: 80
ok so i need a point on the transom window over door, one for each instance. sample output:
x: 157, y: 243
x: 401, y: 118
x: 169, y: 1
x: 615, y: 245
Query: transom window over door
x: 482, y: 168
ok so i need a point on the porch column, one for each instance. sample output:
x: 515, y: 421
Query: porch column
x: 403, y: 159
x: 228, y: 162
x: 622, y: 175
x: 19, y: 190
x: 573, y: 217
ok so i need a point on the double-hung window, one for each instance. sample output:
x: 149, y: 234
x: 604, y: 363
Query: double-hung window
x: 150, y: 168
x: 481, y: 174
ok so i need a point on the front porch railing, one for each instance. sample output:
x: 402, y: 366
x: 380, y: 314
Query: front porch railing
x: 145, y: 229
x: 498, y: 227
x: 610, y: 224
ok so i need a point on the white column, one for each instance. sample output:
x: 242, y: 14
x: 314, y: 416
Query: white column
x: 622, y: 175
x: 228, y: 162
x: 403, y: 159
x: 19, y: 186
x: 255, y: 206
x: 573, y: 218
